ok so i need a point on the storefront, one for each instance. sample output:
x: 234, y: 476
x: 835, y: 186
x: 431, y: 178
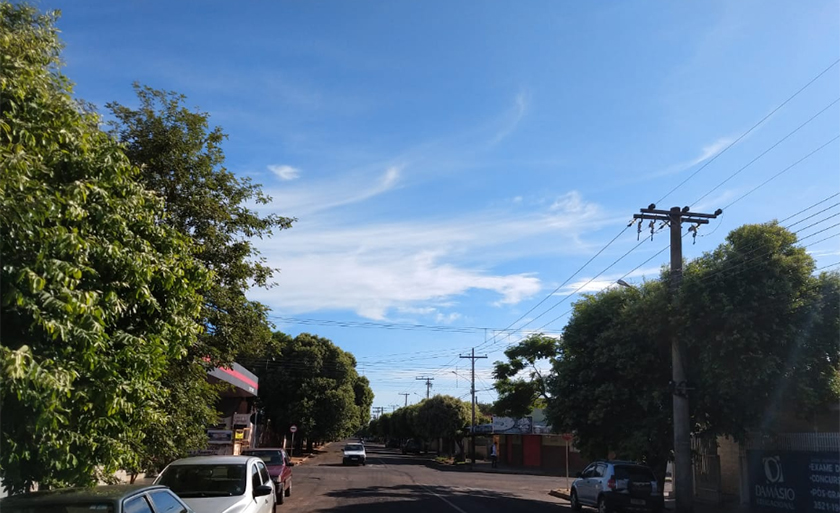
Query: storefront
x: 235, y: 429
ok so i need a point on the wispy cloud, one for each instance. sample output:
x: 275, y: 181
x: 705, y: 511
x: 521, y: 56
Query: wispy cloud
x: 377, y: 268
x: 284, y: 172
x: 320, y: 196
x: 710, y: 151
x: 512, y: 118
x: 706, y: 153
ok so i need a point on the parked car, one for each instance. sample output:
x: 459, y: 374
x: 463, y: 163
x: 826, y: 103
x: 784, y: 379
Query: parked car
x: 412, y: 446
x: 217, y: 484
x: 617, y: 486
x: 354, y: 453
x: 102, y: 499
x: 279, y: 469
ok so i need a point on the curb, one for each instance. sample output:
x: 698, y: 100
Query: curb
x: 560, y: 494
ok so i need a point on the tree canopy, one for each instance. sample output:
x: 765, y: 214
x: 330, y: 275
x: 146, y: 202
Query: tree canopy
x: 312, y: 383
x: 761, y: 334
x: 519, y: 381
x: 97, y: 295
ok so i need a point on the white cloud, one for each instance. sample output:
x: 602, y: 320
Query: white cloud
x: 284, y: 172
x: 512, y: 119
x: 319, y: 196
x: 417, y: 266
x: 711, y: 150
x: 442, y: 318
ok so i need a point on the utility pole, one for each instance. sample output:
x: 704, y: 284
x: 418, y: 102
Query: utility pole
x: 378, y: 411
x: 406, y: 394
x: 473, y: 358
x: 683, y: 471
x: 428, y: 384
x: 394, y: 407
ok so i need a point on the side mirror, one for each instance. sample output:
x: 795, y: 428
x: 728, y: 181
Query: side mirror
x: 262, y: 491
x: 290, y: 463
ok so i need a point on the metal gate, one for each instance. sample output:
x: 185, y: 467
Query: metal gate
x: 706, y: 464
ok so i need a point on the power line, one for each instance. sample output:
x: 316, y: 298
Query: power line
x: 733, y: 143
x: 543, y: 300
x: 809, y: 207
x: 765, y: 152
x: 781, y: 172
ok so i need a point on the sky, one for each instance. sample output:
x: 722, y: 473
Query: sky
x: 451, y: 165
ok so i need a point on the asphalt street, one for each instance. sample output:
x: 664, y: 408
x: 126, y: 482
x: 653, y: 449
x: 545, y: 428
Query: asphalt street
x: 391, y: 482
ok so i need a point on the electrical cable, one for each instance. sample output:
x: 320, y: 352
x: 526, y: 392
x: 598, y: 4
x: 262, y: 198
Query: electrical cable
x: 765, y: 118
x: 765, y: 152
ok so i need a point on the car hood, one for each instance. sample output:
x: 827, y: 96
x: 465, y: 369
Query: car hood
x: 218, y: 504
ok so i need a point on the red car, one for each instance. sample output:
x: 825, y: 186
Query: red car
x: 279, y: 468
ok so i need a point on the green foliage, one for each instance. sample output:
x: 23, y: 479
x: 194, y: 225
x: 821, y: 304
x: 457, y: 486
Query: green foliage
x: 519, y: 381
x: 610, y: 383
x: 97, y: 295
x: 404, y: 422
x: 310, y: 382
x: 442, y: 416
x: 752, y: 323
x: 363, y: 399
x: 182, y: 162
x: 761, y: 336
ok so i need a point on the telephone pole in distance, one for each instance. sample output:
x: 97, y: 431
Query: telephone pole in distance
x: 473, y: 358
x: 428, y: 384
x: 406, y: 394
x: 683, y: 472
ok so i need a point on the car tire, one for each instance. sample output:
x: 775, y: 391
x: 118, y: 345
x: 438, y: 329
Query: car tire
x: 573, y: 501
x: 282, y: 495
x: 288, y: 490
x: 602, y: 506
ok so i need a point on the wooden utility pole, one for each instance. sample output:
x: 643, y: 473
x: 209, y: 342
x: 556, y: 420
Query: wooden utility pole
x: 683, y: 477
x: 406, y: 394
x: 428, y: 385
x: 473, y: 358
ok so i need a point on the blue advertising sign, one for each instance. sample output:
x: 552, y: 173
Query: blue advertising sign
x: 794, y: 481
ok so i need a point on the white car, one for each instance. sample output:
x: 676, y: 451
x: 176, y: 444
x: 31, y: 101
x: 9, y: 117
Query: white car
x: 221, y: 484
x: 354, y: 453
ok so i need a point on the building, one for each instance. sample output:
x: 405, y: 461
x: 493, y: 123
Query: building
x: 236, y: 429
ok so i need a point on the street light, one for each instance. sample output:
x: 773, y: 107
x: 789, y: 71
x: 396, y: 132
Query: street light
x: 625, y: 284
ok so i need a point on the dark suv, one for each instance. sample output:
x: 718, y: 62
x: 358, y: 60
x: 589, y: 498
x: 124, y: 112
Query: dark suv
x: 617, y: 486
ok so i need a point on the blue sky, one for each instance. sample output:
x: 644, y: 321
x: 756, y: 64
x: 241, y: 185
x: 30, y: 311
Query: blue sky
x: 451, y: 164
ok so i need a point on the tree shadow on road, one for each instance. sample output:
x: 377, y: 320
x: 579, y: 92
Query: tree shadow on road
x: 420, y: 498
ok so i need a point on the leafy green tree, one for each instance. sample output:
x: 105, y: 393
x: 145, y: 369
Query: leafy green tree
x: 312, y: 383
x: 363, y: 399
x: 611, y: 377
x: 520, y: 382
x: 761, y: 334
x: 752, y: 321
x: 442, y: 416
x: 182, y: 161
x: 404, y: 422
x: 97, y: 295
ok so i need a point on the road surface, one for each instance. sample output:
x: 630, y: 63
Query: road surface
x: 391, y: 482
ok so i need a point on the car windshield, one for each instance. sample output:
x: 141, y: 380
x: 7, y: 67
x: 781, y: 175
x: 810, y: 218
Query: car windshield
x: 93, y: 507
x: 205, y: 480
x: 634, y: 473
x: 354, y: 447
x: 269, y: 457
